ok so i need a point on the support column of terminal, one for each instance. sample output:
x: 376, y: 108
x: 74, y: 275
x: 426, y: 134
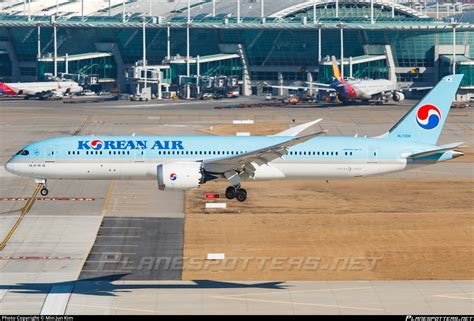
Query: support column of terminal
x: 55, y: 45
x: 145, y: 82
x: 38, y: 55
x: 280, y: 83
x: 188, y: 67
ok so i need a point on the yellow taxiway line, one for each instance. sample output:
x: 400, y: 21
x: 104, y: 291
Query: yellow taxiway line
x: 24, y: 211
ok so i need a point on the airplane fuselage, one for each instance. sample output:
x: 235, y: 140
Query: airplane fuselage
x: 361, y: 89
x: 137, y: 158
x: 37, y: 88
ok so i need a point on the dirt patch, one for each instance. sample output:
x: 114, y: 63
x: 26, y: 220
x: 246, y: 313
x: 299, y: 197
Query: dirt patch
x: 345, y: 230
x: 261, y: 129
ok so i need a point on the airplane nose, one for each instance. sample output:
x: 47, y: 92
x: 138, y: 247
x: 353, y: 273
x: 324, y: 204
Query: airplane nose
x: 9, y: 167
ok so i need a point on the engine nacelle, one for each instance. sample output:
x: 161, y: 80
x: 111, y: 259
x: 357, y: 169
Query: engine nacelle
x: 180, y: 175
x: 398, y: 96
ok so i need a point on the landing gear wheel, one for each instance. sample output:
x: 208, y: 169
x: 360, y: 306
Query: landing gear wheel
x: 241, y: 195
x: 230, y: 192
x: 44, y: 191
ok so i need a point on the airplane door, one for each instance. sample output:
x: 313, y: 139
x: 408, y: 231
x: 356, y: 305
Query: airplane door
x: 139, y: 156
x: 49, y: 155
x: 372, y: 155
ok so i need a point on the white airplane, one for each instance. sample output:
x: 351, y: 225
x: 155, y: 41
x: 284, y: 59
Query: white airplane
x: 358, y: 90
x: 181, y: 163
x: 42, y: 90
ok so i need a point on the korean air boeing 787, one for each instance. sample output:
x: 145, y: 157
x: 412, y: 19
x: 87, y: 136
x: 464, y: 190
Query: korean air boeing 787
x: 187, y: 162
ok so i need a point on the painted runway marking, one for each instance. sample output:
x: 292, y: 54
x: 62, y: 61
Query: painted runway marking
x: 302, y: 291
x: 84, y: 199
x: 25, y: 210
x: 107, y: 199
x: 456, y: 296
x: 56, y: 300
x: 301, y: 303
x: 107, y: 307
x: 36, y: 258
x: 237, y: 297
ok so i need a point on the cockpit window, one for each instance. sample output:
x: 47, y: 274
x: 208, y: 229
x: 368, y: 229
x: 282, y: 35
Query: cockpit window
x: 24, y: 152
x: 19, y: 152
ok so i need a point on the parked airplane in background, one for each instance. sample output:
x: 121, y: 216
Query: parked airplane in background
x: 358, y: 90
x: 181, y: 163
x: 41, y: 90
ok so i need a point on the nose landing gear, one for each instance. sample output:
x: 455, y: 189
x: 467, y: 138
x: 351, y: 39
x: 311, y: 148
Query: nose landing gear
x: 236, y: 192
x: 44, y: 191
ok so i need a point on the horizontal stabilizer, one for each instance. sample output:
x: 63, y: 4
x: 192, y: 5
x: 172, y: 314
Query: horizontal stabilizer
x: 295, y: 131
x: 442, y: 149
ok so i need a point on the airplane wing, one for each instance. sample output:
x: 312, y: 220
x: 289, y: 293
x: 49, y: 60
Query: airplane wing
x: 294, y: 131
x: 318, y: 84
x: 291, y: 87
x: 244, y: 162
x: 416, y: 89
x: 306, y: 88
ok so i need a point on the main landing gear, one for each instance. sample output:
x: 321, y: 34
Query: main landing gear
x: 236, y: 192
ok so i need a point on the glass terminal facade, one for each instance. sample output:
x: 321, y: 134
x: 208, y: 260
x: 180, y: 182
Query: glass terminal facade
x: 283, y: 49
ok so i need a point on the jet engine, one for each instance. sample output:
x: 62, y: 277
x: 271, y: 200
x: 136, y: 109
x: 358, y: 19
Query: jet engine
x: 398, y: 96
x: 180, y: 175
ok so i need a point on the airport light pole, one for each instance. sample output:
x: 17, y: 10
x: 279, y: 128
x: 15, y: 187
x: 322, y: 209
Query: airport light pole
x: 454, y: 24
x: 168, y: 41
x: 123, y: 10
x: 214, y: 8
x: 57, y: 7
x: 393, y: 9
x: 144, y: 54
x: 238, y: 11
x: 372, y: 11
x: 110, y: 7
x: 319, y: 44
x: 337, y: 8
x: 342, y: 49
x: 82, y: 9
x: 262, y: 9
x: 149, y: 9
x: 188, y: 67
x: 198, y: 75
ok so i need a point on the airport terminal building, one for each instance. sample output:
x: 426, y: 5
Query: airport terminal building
x: 255, y: 43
